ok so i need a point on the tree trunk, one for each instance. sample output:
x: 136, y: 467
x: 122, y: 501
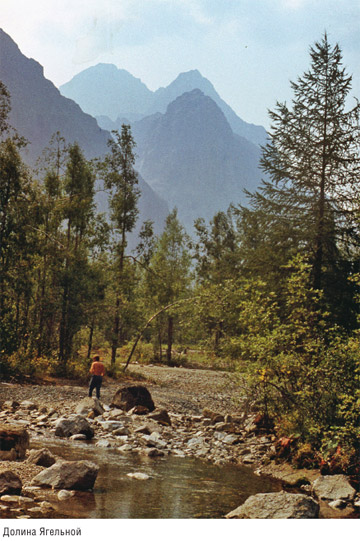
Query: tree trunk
x: 170, y: 339
x: 160, y: 344
x: 115, y: 338
x: 91, y: 334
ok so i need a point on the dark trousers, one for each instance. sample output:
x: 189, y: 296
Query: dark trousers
x: 95, y: 383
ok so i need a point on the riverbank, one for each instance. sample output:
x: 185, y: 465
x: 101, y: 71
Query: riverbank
x: 206, y: 412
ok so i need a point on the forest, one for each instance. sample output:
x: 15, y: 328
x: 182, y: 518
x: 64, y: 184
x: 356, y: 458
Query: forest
x: 268, y: 290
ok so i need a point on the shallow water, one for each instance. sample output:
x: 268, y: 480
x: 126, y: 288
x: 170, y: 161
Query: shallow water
x: 177, y: 488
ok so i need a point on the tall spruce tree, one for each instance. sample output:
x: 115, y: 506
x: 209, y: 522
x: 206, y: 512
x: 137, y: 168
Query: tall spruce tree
x: 311, y: 201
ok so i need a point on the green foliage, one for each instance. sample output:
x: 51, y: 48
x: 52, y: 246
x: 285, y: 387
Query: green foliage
x: 302, y: 372
x: 309, y: 201
x: 167, y: 281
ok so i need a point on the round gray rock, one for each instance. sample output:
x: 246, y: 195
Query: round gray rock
x: 74, y: 424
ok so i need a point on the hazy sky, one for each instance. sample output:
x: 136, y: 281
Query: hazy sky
x: 248, y: 49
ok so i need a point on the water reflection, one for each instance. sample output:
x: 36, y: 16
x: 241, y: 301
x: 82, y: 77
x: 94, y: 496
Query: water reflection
x: 177, y: 488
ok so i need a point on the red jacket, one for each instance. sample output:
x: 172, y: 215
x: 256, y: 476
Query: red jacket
x: 97, y: 369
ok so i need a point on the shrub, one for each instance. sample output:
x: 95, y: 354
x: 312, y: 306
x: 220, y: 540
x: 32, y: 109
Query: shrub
x: 302, y: 372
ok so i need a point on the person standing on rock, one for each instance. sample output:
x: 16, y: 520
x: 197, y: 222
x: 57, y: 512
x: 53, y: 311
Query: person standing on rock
x: 97, y: 372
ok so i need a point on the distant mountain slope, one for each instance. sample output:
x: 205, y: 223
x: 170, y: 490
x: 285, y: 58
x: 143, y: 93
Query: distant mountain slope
x: 39, y: 110
x: 185, y: 82
x: 192, y: 158
x: 104, y: 90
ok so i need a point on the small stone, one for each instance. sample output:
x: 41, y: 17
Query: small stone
x: 123, y: 431
x: 110, y: 426
x: 125, y: 448
x: 337, y: 504
x: 161, y: 417
x: 41, y: 457
x: 24, y: 499
x: 35, y: 510
x: 10, y: 483
x: 139, y: 410
x: 143, y: 429
x: 65, y: 494
x: 28, y: 405
x: 46, y: 505
x: 178, y: 453
x: 89, y: 407
x: 153, y: 452
x: 139, y: 476
x: 103, y: 443
x: 10, y: 405
x: 122, y: 439
x: 78, y: 437
x: 9, y: 499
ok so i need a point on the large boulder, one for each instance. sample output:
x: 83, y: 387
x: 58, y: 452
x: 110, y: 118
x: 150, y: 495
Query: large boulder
x: 74, y: 424
x: 41, y: 457
x: 129, y: 397
x: 69, y: 475
x: 277, y: 505
x: 14, y: 441
x: 10, y: 483
x: 333, y: 487
x: 89, y: 406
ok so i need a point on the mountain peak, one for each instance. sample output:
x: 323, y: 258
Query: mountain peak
x: 191, y: 77
x: 107, y: 90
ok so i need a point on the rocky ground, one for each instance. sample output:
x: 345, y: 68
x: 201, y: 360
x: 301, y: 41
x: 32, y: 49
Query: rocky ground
x: 205, y: 419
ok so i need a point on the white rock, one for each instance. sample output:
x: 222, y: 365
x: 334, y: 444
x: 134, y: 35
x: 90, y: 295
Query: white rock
x: 125, y: 448
x: 77, y: 437
x: 122, y: 439
x: 65, y: 494
x: 337, y: 504
x: 103, y: 443
x: 139, y: 476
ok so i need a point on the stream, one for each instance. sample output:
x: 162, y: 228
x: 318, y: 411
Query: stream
x: 177, y: 487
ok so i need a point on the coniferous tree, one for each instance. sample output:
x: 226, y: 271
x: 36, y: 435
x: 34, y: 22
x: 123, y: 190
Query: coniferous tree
x: 311, y: 201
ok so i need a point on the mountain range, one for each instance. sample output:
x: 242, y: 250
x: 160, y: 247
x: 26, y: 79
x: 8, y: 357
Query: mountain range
x: 38, y: 110
x: 192, y: 148
x: 193, y: 152
x: 106, y: 91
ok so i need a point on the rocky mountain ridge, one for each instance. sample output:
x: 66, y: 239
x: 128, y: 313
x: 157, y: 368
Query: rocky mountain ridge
x: 106, y: 91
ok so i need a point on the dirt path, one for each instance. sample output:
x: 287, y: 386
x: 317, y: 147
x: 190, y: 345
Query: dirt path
x: 181, y: 390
